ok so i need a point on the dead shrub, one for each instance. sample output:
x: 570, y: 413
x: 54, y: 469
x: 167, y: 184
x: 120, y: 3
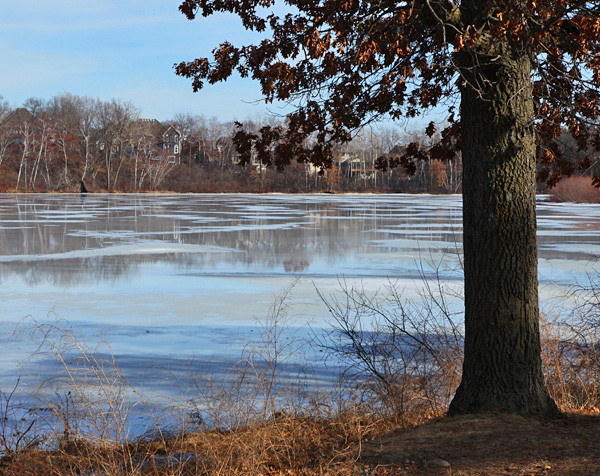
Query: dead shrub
x: 576, y: 189
x: 266, y: 379
x: 571, y: 350
x: 405, y: 357
x: 267, y: 415
x: 83, y: 406
x: 402, y: 357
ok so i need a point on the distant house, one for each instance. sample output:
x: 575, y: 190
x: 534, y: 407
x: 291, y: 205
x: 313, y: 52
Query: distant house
x: 21, y: 132
x: 228, y: 153
x: 349, y: 164
x: 150, y: 128
x: 226, y: 149
x: 12, y: 127
x: 18, y: 116
x: 165, y: 139
x: 171, y: 145
x: 352, y: 165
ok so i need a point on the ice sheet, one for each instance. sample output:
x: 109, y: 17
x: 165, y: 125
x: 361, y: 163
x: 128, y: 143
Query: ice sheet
x: 183, y: 276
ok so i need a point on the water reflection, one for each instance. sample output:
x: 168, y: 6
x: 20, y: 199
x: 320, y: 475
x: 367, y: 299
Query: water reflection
x: 69, y: 240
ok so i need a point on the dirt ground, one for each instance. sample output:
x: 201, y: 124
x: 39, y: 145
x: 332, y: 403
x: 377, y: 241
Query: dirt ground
x: 490, y: 445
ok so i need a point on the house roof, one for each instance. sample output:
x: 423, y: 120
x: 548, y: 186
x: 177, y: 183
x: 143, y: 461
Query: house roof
x: 154, y: 128
x: 149, y: 127
x: 171, y: 130
x: 17, y: 117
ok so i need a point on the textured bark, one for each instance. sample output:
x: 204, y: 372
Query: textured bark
x: 502, y: 365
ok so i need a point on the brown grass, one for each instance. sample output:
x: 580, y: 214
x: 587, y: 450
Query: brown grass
x: 288, y: 445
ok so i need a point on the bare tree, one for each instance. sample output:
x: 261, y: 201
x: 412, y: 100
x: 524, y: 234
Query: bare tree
x: 115, y: 118
x: 4, y: 108
x: 87, y: 118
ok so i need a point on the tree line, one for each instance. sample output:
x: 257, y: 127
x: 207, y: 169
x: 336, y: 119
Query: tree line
x: 68, y: 140
x: 60, y: 143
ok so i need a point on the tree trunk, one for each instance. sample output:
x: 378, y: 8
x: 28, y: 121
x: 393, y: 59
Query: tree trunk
x: 502, y: 368
x: 108, y: 163
x: 87, y: 156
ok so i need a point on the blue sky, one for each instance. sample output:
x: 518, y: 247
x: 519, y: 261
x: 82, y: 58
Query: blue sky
x: 118, y: 49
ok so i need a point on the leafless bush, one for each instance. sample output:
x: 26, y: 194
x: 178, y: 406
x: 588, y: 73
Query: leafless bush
x: 571, y: 349
x: 15, y: 430
x: 267, y: 414
x: 266, y: 376
x: 575, y: 189
x: 404, y: 356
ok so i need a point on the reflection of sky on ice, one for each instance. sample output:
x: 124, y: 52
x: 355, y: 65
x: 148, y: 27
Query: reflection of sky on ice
x: 176, y: 276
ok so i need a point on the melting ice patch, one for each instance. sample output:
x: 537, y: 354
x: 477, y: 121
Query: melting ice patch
x: 146, y: 248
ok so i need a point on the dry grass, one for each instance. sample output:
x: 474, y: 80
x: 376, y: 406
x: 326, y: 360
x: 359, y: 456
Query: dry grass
x: 291, y: 445
x: 571, y: 351
x: 288, y: 445
x: 80, y: 415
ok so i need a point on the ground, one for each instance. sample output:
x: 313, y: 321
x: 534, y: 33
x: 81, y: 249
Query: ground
x: 490, y: 445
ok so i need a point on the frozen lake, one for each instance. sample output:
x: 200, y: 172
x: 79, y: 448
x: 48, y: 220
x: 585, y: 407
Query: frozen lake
x: 167, y: 278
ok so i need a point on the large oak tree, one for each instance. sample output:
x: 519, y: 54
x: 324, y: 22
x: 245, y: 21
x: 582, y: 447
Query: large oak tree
x: 522, y: 72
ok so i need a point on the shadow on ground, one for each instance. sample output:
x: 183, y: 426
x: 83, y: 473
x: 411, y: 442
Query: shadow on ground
x: 490, y: 445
